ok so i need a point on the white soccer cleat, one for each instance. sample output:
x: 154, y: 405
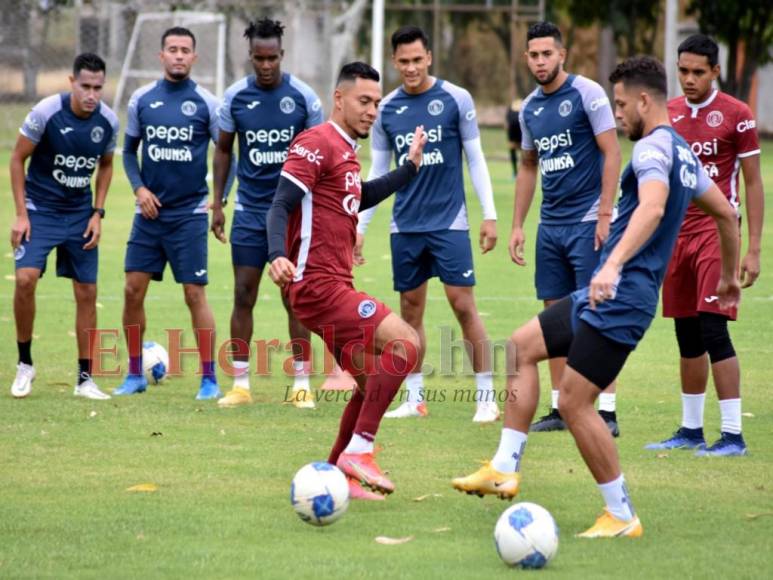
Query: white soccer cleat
x: 22, y: 384
x: 89, y: 390
x: 408, y: 409
x: 488, y: 412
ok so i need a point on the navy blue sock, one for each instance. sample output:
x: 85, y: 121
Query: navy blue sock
x: 84, y: 370
x: 208, y: 369
x: 25, y: 351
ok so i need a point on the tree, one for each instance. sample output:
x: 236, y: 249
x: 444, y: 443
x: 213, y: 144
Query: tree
x: 747, y: 26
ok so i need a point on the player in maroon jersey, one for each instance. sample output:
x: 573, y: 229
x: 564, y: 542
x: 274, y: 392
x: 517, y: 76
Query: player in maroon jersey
x: 320, y: 193
x: 722, y: 132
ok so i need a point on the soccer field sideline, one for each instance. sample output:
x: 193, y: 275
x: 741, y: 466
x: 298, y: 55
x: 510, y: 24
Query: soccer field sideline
x: 222, y: 506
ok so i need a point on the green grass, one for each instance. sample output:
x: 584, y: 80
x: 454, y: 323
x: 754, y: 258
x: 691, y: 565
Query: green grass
x: 222, y: 508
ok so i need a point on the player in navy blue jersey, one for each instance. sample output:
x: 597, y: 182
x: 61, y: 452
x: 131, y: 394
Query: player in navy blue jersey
x: 266, y: 111
x: 568, y: 135
x: 597, y: 327
x: 174, y: 119
x: 65, y: 137
x: 430, y: 229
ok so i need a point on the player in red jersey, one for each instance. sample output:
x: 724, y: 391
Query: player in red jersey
x: 320, y: 193
x: 722, y: 132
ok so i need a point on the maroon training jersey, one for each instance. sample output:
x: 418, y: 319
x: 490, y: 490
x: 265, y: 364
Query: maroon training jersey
x: 321, y: 232
x: 721, y: 131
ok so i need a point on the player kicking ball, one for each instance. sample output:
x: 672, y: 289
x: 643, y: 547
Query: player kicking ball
x: 597, y: 327
x: 65, y: 137
x: 174, y: 119
x: 320, y: 193
x: 266, y: 110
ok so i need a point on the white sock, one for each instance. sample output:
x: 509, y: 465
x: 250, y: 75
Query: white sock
x: 484, y: 382
x: 692, y: 410
x: 359, y: 445
x: 508, y: 456
x: 301, y: 381
x: 414, y: 382
x: 730, y: 411
x: 554, y: 399
x: 241, y: 374
x: 607, y: 402
x: 616, y: 497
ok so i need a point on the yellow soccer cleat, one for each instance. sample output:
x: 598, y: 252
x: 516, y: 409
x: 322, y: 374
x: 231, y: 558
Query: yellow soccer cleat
x: 235, y: 397
x: 608, y: 526
x: 302, y: 399
x: 489, y: 481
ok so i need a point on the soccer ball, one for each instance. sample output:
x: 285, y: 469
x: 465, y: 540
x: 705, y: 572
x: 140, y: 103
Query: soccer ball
x: 526, y: 536
x: 155, y: 361
x: 319, y: 493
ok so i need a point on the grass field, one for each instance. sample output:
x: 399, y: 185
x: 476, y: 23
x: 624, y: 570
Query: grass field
x: 222, y: 509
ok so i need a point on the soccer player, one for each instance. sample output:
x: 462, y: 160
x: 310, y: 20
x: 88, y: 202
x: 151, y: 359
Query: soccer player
x: 320, y: 191
x: 429, y: 229
x: 174, y: 119
x: 66, y: 137
x: 569, y: 137
x: 598, y: 326
x: 267, y: 110
x: 722, y: 132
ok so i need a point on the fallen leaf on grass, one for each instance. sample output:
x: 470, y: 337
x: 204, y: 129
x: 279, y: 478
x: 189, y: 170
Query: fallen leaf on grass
x: 662, y: 455
x: 100, y: 305
x: 144, y: 487
x: 93, y: 414
x: 10, y: 277
x: 751, y: 415
x: 387, y: 541
x: 427, y: 496
x: 71, y: 334
x: 759, y: 515
x: 440, y: 530
x: 157, y: 434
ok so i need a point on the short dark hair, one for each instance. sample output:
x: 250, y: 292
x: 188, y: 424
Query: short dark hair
x: 407, y: 35
x: 357, y: 70
x: 641, y: 71
x: 177, y: 31
x: 265, y: 28
x: 543, y: 30
x: 702, y: 45
x: 88, y: 61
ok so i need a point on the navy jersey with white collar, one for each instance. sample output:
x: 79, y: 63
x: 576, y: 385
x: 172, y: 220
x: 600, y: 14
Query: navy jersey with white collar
x: 434, y: 200
x: 562, y: 126
x: 67, y: 151
x: 176, y: 122
x: 266, y: 122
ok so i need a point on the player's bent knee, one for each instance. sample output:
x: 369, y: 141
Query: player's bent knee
x: 26, y: 282
x: 244, y: 297
x: 689, y: 337
x: 86, y: 293
x: 716, y: 337
x: 195, y: 295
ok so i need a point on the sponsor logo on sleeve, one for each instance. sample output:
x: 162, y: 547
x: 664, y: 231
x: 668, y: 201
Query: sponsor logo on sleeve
x: 470, y: 115
x: 747, y: 125
x: 596, y: 104
x: 307, y: 154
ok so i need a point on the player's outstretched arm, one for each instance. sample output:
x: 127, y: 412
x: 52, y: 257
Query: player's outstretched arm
x: 20, y: 231
x: 221, y: 165
x: 755, y: 212
x: 714, y: 203
x: 93, y: 232
x: 644, y: 220
x: 525, y: 184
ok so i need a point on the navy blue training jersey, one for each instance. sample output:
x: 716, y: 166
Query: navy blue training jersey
x: 175, y: 121
x: 266, y: 122
x: 67, y: 150
x: 434, y: 200
x: 663, y: 156
x: 562, y: 127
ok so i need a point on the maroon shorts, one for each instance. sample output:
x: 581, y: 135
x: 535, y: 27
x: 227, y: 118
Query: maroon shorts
x: 693, y: 274
x: 344, y: 318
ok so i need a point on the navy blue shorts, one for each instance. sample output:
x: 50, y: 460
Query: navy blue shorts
x: 249, y: 240
x: 565, y: 259
x: 418, y: 257
x: 63, y: 231
x: 180, y: 240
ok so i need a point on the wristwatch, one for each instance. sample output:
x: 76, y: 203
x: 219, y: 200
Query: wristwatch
x: 100, y: 211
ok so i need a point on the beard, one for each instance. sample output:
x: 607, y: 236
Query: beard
x: 636, y: 131
x: 551, y: 76
x: 178, y: 76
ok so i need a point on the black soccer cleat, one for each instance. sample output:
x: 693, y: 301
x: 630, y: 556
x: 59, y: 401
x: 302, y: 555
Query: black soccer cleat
x: 550, y: 422
x: 610, y: 418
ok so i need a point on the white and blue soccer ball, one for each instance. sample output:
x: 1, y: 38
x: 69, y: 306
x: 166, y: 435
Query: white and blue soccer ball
x: 319, y: 493
x: 526, y: 536
x: 155, y: 361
